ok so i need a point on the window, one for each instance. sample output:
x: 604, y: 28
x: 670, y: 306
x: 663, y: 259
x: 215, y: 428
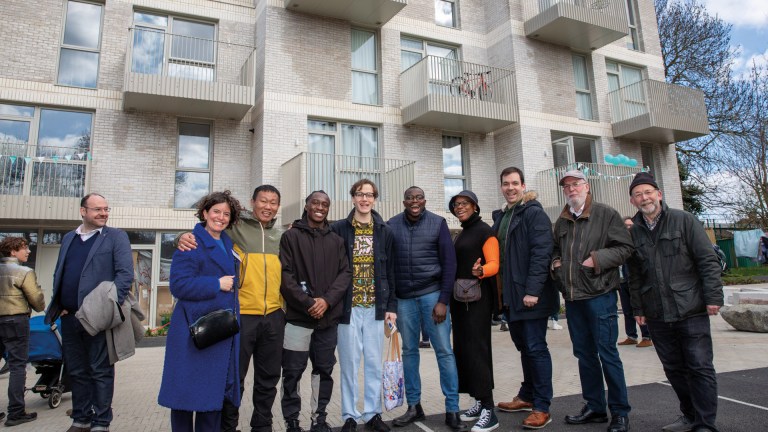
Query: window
x: 365, y: 72
x: 166, y: 45
x: 633, y: 41
x: 571, y: 149
x: 44, y: 151
x: 340, y: 155
x: 193, y: 167
x: 79, y: 56
x: 583, y: 90
x: 454, y: 171
x: 446, y: 13
x: 630, y: 101
x: 444, y: 65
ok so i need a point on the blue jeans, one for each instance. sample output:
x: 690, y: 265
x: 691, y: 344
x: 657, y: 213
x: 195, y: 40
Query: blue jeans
x: 14, y: 341
x: 685, y: 351
x: 411, y: 313
x: 363, y: 335
x: 92, y: 377
x: 530, y: 338
x: 593, y: 327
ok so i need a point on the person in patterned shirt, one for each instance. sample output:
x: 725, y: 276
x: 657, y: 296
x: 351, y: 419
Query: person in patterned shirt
x: 369, y: 300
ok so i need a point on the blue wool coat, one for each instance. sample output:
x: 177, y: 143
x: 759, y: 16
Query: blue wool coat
x: 193, y: 379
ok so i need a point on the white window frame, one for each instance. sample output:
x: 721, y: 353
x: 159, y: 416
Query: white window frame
x: 425, y: 44
x: 168, y: 30
x: 633, y: 42
x: 567, y: 144
x: 63, y: 46
x: 456, y: 21
x: 587, y: 91
x: 178, y: 168
x: 376, y: 73
x: 464, y: 177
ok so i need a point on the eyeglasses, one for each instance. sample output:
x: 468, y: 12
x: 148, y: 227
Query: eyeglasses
x: 457, y: 204
x: 99, y: 209
x: 414, y: 198
x: 638, y: 195
x: 364, y: 195
x: 573, y: 185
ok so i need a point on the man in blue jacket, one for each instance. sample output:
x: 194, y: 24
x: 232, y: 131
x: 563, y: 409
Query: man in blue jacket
x: 89, y: 255
x: 425, y: 270
x: 525, y: 245
x: 369, y: 300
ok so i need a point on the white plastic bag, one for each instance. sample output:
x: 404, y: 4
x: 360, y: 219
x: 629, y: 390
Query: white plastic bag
x: 393, y: 382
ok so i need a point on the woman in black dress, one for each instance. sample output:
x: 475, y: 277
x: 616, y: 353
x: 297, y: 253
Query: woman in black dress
x: 477, y: 257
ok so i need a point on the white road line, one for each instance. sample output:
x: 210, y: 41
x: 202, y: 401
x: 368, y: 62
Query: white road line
x: 726, y: 398
x: 423, y: 427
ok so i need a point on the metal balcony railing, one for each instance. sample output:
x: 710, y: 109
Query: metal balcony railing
x: 40, y: 170
x: 448, y: 93
x: 657, y: 106
x: 609, y: 185
x: 335, y: 174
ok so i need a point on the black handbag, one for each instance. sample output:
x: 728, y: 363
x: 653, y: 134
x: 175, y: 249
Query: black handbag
x: 213, y: 327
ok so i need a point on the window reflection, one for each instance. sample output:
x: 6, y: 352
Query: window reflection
x: 64, y: 133
x: 166, y: 255
x: 148, y: 51
x: 17, y: 110
x: 445, y: 13
x: 194, y: 145
x: 78, y: 68
x: 152, y: 19
x: 13, y: 131
x: 82, y: 25
x: 189, y: 188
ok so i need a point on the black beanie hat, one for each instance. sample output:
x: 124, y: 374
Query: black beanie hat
x: 643, y: 178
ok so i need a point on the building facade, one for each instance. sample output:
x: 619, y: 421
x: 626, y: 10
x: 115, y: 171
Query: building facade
x: 155, y: 103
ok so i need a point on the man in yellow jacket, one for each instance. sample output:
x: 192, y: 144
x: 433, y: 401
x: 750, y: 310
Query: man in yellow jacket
x: 262, y: 319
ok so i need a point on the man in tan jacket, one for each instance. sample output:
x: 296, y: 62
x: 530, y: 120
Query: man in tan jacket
x: 19, y: 292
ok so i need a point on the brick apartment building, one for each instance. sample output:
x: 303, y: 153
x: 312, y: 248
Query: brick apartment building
x: 154, y: 103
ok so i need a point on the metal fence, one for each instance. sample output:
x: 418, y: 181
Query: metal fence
x: 39, y: 170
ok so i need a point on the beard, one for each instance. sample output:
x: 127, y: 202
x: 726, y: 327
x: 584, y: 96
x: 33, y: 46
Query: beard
x: 576, y: 202
x: 648, y: 209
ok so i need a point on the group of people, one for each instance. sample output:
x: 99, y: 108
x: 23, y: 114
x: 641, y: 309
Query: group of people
x: 318, y: 288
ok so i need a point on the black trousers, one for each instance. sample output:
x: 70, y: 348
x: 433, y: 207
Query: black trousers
x: 14, y: 340
x: 685, y: 351
x: 322, y: 354
x: 261, y: 338
x: 182, y: 421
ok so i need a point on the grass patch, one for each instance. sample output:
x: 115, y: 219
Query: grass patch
x: 730, y: 280
x: 747, y: 272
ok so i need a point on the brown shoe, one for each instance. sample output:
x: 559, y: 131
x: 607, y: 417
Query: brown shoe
x: 536, y: 420
x: 645, y: 343
x: 628, y: 341
x: 516, y: 405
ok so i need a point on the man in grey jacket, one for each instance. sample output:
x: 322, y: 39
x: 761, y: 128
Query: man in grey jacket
x: 590, y: 245
x: 675, y: 286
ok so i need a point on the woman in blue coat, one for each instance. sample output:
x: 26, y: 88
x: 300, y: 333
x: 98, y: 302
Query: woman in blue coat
x: 197, y: 381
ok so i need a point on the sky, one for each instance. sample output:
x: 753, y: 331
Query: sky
x: 750, y: 28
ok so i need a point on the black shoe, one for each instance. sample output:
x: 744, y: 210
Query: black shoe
x: 4, y: 370
x: 24, y: 418
x: 376, y: 424
x: 320, y: 426
x: 2, y: 415
x: 619, y: 424
x: 586, y: 416
x: 349, y: 426
x: 425, y: 344
x: 414, y: 413
x: 292, y: 425
x: 453, y: 420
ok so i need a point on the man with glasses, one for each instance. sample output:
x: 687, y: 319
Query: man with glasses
x: 590, y: 245
x: 369, y: 301
x: 675, y: 286
x: 91, y: 254
x: 425, y: 270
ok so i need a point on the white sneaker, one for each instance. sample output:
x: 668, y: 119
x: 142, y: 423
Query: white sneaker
x: 556, y: 326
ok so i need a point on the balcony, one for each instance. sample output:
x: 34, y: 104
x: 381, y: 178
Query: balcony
x: 42, y: 182
x: 583, y: 25
x: 366, y: 12
x: 609, y: 185
x: 336, y: 174
x: 658, y: 112
x: 450, y: 94
x: 181, y: 75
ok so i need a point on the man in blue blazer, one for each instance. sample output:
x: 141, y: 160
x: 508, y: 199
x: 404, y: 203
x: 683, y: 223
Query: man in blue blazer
x: 89, y: 255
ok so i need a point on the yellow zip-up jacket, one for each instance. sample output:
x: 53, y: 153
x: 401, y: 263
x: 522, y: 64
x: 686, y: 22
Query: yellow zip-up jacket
x: 258, y: 247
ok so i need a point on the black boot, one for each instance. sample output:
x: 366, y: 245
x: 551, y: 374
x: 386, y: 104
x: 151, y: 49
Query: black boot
x: 453, y: 420
x: 414, y: 413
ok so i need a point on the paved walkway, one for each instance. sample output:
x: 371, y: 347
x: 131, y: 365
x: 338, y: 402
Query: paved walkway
x: 138, y: 381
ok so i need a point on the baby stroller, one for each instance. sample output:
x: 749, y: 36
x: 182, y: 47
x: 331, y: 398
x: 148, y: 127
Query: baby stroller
x: 46, y: 357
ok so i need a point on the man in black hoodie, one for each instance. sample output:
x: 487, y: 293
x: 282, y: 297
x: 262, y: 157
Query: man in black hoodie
x: 315, y: 277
